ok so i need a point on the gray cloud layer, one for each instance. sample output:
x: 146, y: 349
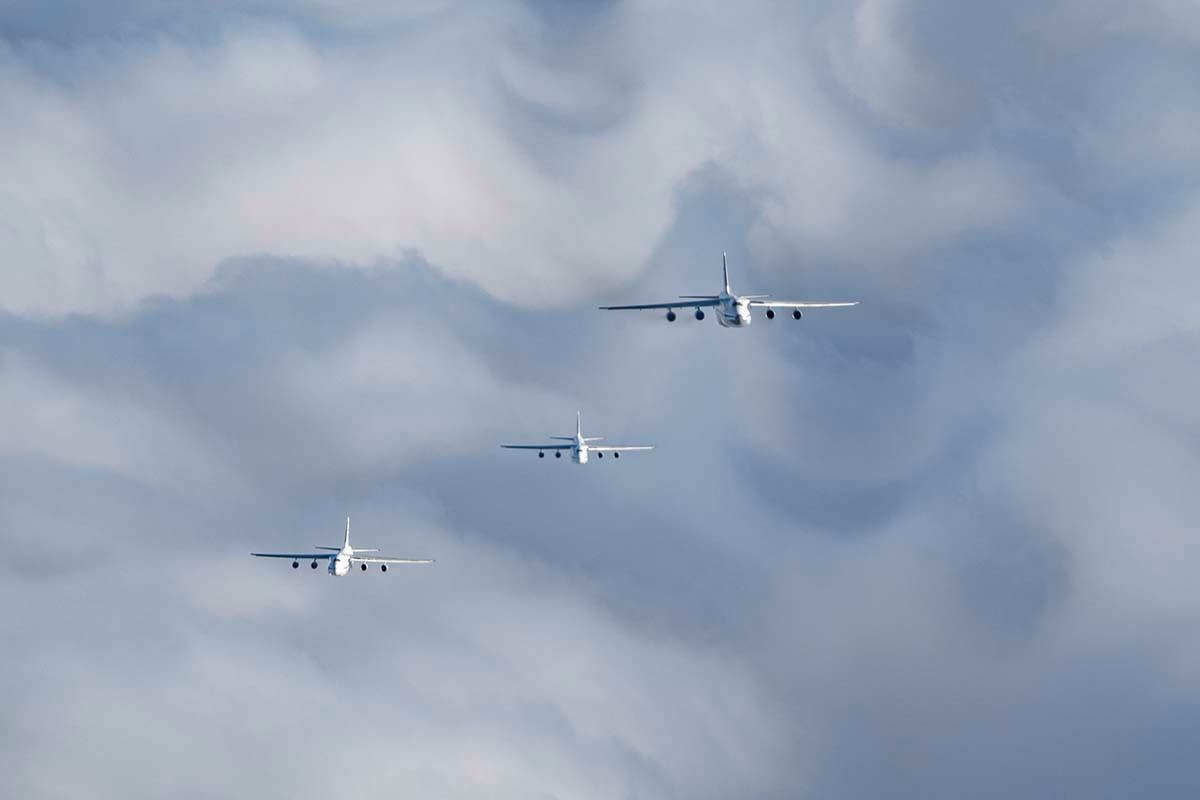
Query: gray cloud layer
x: 274, y: 263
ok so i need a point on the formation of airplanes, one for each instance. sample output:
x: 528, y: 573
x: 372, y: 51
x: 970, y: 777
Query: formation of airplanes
x: 731, y: 310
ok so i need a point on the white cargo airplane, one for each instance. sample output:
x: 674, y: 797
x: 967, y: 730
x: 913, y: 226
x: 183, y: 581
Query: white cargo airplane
x: 341, y: 559
x: 733, y: 311
x: 579, y: 445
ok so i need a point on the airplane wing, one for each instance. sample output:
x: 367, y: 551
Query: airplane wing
x: 794, y: 304
x: 621, y: 448
x: 294, y: 555
x: 379, y: 560
x: 703, y: 302
x: 538, y: 446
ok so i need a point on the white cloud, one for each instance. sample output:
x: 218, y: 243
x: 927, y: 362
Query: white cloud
x: 479, y: 676
x: 536, y: 174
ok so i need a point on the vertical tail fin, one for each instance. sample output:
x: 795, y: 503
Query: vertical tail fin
x: 725, y: 269
x: 346, y: 541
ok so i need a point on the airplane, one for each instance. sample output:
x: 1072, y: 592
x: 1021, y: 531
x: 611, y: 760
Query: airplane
x: 733, y: 311
x: 341, y: 559
x: 579, y: 445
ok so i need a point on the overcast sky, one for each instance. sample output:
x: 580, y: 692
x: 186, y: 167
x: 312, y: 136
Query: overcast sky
x: 270, y: 263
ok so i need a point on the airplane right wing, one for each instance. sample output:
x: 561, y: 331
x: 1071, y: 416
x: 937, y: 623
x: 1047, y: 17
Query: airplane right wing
x: 295, y: 555
x: 708, y: 301
x: 537, y: 446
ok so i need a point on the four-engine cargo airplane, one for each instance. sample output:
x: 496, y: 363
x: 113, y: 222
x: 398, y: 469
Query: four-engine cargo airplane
x: 579, y: 445
x: 341, y: 559
x: 733, y: 311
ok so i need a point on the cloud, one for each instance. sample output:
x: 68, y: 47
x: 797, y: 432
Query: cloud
x: 142, y: 165
x: 284, y: 264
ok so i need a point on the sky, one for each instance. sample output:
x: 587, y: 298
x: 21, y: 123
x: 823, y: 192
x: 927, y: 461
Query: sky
x: 269, y: 264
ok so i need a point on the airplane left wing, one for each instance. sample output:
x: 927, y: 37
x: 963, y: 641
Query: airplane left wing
x: 621, y: 448
x: 796, y: 304
x: 380, y: 560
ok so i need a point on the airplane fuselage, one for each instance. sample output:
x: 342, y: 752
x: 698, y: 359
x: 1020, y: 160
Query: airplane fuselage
x: 339, y: 565
x: 733, y: 311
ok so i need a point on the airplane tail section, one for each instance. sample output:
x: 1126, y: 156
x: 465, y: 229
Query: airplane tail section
x: 725, y: 269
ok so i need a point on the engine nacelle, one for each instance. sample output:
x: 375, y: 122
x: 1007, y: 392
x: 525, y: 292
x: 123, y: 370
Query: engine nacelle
x: 313, y: 564
x: 770, y: 313
x: 670, y: 315
x: 699, y: 314
x: 796, y: 313
x: 295, y: 564
x: 383, y: 567
x: 364, y: 567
